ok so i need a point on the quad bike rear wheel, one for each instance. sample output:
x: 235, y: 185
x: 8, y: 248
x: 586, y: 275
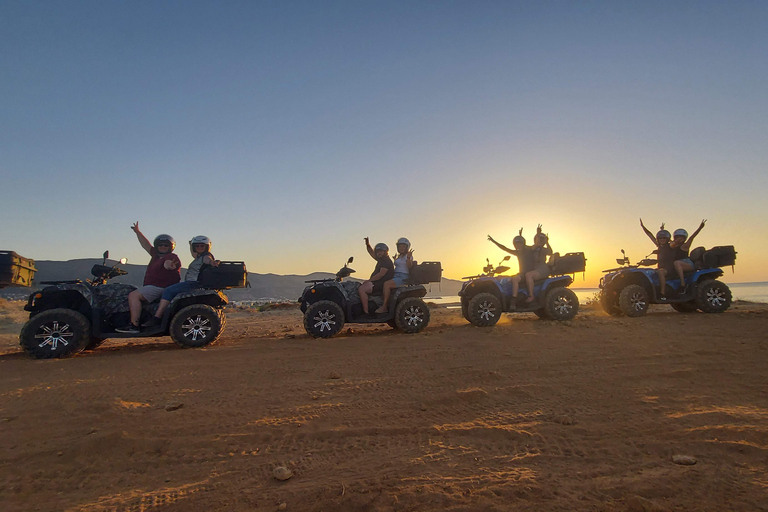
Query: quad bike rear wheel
x: 633, y: 300
x: 55, y: 333
x: 323, y: 319
x: 411, y: 315
x: 541, y: 313
x: 713, y: 296
x: 196, y: 326
x: 609, y: 305
x: 561, y: 304
x: 484, y: 309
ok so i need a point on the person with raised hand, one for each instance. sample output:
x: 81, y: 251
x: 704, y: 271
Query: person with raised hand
x: 163, y: 270
x: 681, y: 243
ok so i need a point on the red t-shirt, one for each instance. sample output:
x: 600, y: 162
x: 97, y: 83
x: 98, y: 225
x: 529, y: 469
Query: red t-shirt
x: 157, y: 274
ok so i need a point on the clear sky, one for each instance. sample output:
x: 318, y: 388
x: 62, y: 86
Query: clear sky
x: 287, y: 131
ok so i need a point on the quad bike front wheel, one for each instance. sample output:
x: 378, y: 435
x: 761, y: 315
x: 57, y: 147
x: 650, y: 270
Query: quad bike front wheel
x: 55, y: 333
x: 484, y: 309
x: 609, y: 305
x: 196, y: 326
x: 411, y: 315
x: 713, y: 296
x: 323, y: 319
x: 561, y: 304
x: 633, y: 300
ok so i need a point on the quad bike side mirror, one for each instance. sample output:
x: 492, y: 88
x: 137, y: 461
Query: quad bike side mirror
x: 350, y: 260
x: 506, y: 258
x: 105, y: 256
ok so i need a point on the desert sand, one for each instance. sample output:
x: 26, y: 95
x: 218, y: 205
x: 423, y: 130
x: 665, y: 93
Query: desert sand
x: 527, y: 415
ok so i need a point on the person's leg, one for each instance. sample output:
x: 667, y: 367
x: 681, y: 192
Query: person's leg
x: 168, y: 295
x: 363, y: 291
x: 134, y: 305
x: 388, y: 287
x: 515, y: 289
x: 681, y: 267
x: 530, y: 277
x: 662, y: 282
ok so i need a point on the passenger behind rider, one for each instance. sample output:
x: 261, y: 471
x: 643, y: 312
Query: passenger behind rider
x: 541, y: 250
x: 525, y: 259
x: 682, y: 244
x: 403, y: 264
x: 163, y: 270
x: 200, y: 247
x: 383, y: 272
x: 665, y: 256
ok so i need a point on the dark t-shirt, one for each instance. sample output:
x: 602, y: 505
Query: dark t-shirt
x: 666, y: 257
x: 384, y: 262
x: 157, y: 274
x: 526, y: 259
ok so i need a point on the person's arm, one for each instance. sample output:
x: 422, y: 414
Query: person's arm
x: 172, y: 263
x: 503, y: 248
x: 381, y: 273
x: 688, y: 242
x: 650, y: 235
x: 142, y: 239
x: 208, y: 259
x: 370, y: 249
x: 409, y: 259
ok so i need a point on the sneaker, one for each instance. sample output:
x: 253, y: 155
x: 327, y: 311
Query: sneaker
x: 662, y: 297
x: 129, y: 329
x: 152, y: 322
x: 683, y: 290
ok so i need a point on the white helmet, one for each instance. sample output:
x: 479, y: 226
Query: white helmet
x: 403, y: 240
x: 200, y: 239
x: 681, y: 232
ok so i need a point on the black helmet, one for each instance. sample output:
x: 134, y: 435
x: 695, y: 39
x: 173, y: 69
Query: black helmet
x: 518, y: 240
x: 164, y: 238
x: 381, y: 247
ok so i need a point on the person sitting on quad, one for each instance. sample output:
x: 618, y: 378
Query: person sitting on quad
x: 665, y: 256
x: 525, y: 258
x: 541, y: 250
x: 383, y: 272
x: 163, y: 270
x: 200, y: 247
x: 403, y: 264
x: 682, y: 244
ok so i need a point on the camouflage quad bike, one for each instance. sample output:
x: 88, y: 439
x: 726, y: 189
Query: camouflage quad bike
x: 328, y: 303
x: 67, y: 317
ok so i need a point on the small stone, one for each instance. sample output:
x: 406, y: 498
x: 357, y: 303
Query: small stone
x: 683, y: 460
x: 282, y: 473
x: 173, y: 406
x: 59, y: 453
x: 423, y: 407
x: 640, y: 504
x: 334, y: 375
x: 282, y: 506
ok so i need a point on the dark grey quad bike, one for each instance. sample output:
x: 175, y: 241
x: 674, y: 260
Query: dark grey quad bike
x: 67, y: 317
x: 328, y: 304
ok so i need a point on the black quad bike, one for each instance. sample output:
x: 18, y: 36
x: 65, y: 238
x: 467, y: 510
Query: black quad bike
x: 328, y: 304
x: 67, y: 317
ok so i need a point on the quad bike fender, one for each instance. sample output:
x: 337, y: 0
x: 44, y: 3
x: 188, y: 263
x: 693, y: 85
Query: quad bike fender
x: 484, y: 285
x: 556, y: 282
x: 213, y: 298
x: 706, y: 274
x: 77, y: 297
x: 646, y: 278
x: 313, y: 294
x: 401, y: 292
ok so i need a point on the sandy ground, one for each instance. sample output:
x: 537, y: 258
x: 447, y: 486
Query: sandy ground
x: 528, y: 415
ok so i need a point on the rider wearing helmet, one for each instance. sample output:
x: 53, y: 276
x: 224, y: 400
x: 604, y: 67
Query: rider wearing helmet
x: 525, y: 260
x: 681, y: 243
x: 383, y: 272
x: 672, y: 257
x: 162, y: 271
x: 200, y: 247
x: 403, y: 264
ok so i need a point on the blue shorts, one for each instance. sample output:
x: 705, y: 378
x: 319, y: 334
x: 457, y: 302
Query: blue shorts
x: 400, y: 279
x: 688, y: 261
x: 175, y: 289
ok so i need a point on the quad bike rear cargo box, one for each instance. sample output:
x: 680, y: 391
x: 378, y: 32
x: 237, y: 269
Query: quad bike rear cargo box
x: 426, y: 272
x: 16, y: 270
x: 570, y: 263
x: 229, y: 274
x: 721, y: 256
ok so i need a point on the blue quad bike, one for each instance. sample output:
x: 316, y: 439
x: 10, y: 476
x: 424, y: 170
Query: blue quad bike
x: 328, y: 304
x: 486, y: 296
x: 630, y: 289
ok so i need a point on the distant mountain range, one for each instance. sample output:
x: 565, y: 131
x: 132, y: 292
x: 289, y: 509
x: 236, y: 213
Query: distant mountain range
x: 263, y: 286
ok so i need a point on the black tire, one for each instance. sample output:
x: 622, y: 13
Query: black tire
x: 541, y: 313
x: 713, y: 296
x: 465, y: 308
x: 561, y: 304
x: 94, y: 343
x: 323, y: 319
x: 633, y: 300
x: 685, y: 307
x: 55, y: 333
x: 196, y: 326
x: 609, y: 306
x: 392, y: 323
x: 411, y: 315
x: 484, y: 309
